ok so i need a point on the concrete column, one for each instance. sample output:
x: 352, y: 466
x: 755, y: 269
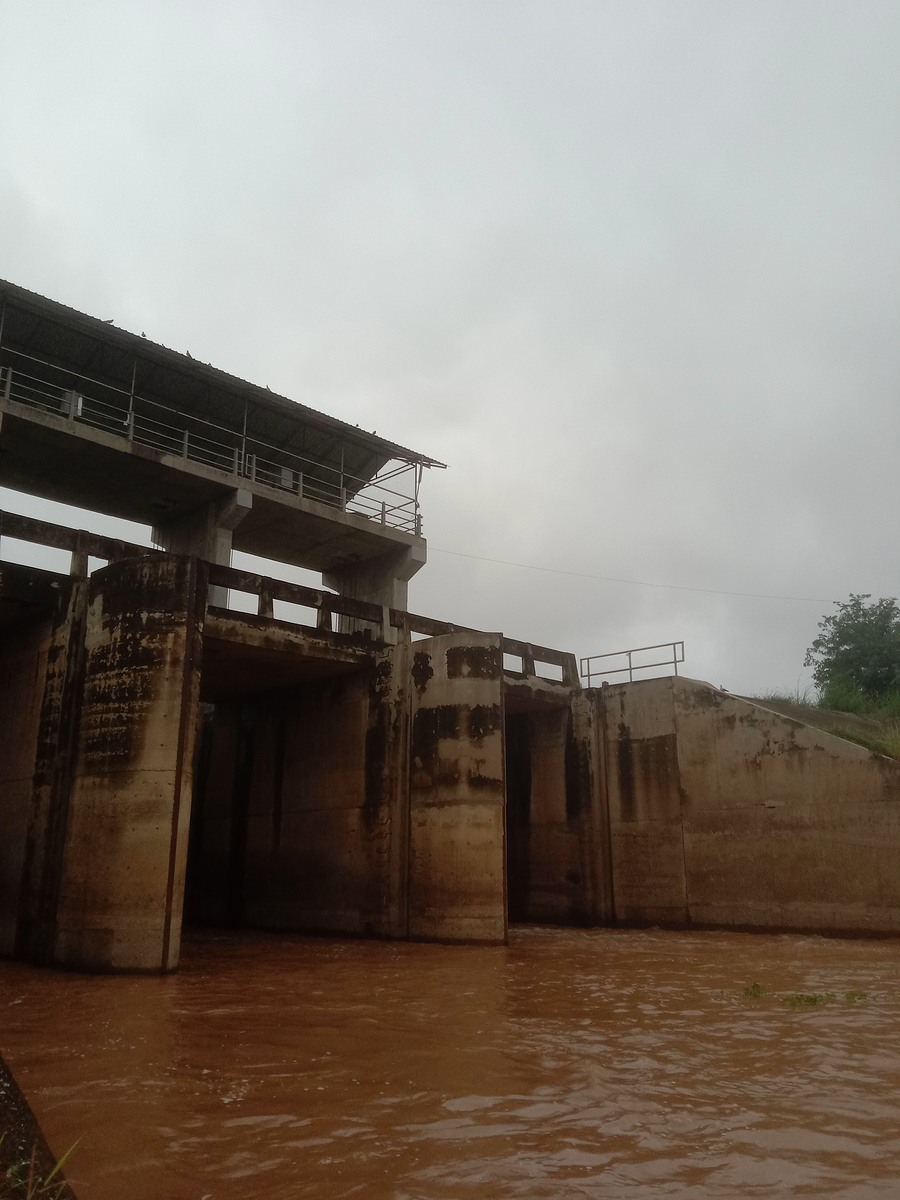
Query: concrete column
x: 60, y: 691
x: 388, y: 781
x: 122, y: 883
x: 207, y: 532
x: 457, y: 852
x: 23, y: 668
x: 383, y: 580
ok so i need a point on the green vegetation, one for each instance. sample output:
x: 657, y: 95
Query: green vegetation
x: 808, y: 999
x: 888, y: 743
x: 842, y: 710
x: 856, y: 657
x: 23, y: 1179
x: 802, y: 1000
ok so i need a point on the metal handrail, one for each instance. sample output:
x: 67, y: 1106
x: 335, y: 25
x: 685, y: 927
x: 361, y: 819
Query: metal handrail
x: 587, y: 671
x: 303, y: 477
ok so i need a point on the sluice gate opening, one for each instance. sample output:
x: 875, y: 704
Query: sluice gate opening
x: 279, y: 831
x: 551, y: 851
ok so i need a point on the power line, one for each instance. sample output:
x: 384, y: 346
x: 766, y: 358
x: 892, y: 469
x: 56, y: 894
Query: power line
x: 672, y: 587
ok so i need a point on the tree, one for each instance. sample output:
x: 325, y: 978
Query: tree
x: 858, y: 645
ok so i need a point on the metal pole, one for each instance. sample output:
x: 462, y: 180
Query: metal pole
x: 130, y: 429
x: 244, y: 442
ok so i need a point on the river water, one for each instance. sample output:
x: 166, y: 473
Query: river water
x: 567, y: 1064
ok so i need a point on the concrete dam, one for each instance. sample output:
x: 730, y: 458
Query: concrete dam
x: 330, y: 761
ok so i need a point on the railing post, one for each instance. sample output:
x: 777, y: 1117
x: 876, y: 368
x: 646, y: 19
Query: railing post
x: 8, y: 386
x: 129, y: 432
x: 184, y: 445
x: 343, y: 499
x: 79, y: 563
x: 383, y: 513
x: 236, y: 455
x: 300, y: 484
x: 266, y: 604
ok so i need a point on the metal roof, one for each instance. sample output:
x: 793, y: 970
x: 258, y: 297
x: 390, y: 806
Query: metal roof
x: 115, y: 357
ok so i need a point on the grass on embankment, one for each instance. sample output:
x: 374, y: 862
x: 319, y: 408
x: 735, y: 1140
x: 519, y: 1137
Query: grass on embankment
x: 28, y: 1170
x: 876, y: 726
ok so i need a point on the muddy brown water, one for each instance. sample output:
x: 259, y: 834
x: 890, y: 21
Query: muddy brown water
x: 567, y: 1064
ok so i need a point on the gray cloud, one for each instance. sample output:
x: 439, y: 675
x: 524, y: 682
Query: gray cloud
x: 631, y: 270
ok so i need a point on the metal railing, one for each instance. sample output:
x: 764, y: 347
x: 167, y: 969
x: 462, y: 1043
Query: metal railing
x: 588, y: 671
x: 125, y: 415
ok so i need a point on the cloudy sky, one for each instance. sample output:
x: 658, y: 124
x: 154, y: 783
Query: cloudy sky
x: 630, y: 267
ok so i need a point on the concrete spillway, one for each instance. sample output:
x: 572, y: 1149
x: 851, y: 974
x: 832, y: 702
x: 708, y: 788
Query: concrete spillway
x: 359, y: 769
x: 164, y: 757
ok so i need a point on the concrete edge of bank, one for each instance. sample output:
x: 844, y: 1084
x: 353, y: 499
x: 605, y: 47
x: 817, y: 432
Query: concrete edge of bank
x: 22, y: 1135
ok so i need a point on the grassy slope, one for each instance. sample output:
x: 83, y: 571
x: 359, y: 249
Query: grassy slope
x: 881, y: 734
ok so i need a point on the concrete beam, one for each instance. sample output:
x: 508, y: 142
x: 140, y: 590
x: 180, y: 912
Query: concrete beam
x: 207, y: 532
x: 383, y: 580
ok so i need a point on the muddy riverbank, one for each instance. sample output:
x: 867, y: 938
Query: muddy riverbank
x: 23, y: 1148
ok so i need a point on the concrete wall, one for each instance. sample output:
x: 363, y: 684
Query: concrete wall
x: 457, y: 852
x: 122, y: 879
x: 23, y: 668
x: 59, y: 699
x: 723, y: 813
x: 369, y: 802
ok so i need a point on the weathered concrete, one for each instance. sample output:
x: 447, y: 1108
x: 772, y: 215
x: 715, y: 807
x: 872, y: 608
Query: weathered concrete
x: 53, y: 751
x: 457, y: 867
x: 723, y: 813
x: 362, y: 803
x: 121, y: 884
x: 23, y: 668
x: 383, y: 580
x: 207, y: 532
x: 362, y: 782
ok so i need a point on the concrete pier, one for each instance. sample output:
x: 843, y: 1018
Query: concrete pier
x: 166, y: 760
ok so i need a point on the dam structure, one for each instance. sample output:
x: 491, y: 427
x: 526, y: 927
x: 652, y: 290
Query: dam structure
x: 329, y: 761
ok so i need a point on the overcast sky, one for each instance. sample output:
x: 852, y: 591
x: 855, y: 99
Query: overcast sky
x: 630, y: 268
